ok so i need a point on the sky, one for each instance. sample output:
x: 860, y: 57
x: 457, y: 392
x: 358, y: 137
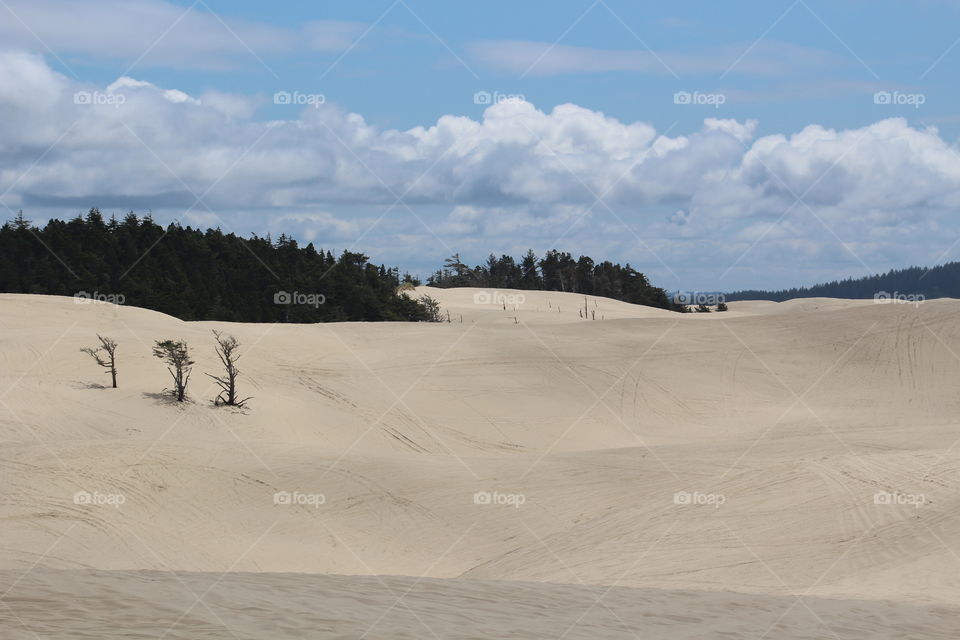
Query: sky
x: 713, y: 146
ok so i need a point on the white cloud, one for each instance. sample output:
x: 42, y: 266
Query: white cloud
x: 517, y: 177
x: 766, y: 58
x: 159, y: 33
x: 323, y: 223
x: 123, y: 84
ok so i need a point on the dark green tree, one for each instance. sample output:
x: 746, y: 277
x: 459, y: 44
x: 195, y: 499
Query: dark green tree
x: 198, y: 275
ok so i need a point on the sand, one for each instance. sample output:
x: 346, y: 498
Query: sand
x: 703, y: 473
x: 145, y: 604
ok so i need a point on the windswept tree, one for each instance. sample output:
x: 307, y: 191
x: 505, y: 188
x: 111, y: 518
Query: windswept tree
x: 455, y: 265
x: 105, y: 355
x: 176, y: 355
x: 227, y: 352
x: 434, y: 314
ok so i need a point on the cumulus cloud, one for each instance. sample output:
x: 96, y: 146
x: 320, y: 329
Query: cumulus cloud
x: 518, y: 176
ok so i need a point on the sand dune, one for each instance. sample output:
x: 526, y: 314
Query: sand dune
x: 698, y: 463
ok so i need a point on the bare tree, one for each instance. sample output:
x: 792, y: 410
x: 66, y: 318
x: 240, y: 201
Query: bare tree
x: 177, y: 357
x: 105, y: 355
x: 227, y: 352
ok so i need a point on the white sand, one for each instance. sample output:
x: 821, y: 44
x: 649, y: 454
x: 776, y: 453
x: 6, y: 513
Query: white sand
x: 142, y: 604
x: 793, y: 417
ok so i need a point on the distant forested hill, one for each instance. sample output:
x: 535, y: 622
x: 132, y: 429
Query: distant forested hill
x: 555, y: 271
x: 934, y: 282
x: 209, y: 275
x: 197, y: 275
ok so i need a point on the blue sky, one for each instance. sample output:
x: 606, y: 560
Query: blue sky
x: 778, y: 177
x: 417, y: 60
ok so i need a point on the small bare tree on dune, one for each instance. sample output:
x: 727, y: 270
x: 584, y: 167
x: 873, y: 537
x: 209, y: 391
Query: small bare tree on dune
x: 176, y: 355
x: 105, y: 355
x: 227, y: 352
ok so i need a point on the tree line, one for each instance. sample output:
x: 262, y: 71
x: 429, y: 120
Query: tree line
x: 555, y: 271
x: 198, y: 275
x: 935, y: 282
x: 211, y: 275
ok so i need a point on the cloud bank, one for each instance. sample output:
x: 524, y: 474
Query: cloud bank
x: 688, y: 205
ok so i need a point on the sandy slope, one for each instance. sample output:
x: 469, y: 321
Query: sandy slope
x: 793, y: 417
x: 278, y: 606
